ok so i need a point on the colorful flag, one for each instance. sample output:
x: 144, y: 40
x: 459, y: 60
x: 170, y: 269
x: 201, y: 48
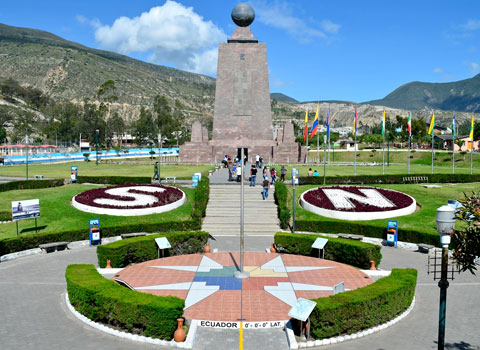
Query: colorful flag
x: 383, y: 124
x: 328, y: 123
x: 306, y: 126
x: 432, y: 124
x: 471, y: 131
x: 354, y: 129
x: 454, y: 124
x: 315, y: 124
x: 409, y: 124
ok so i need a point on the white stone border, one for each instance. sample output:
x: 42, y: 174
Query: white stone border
x: 292, y: 342
x: 187, y: 344
x: 130, y: 212
x: 358, y: 216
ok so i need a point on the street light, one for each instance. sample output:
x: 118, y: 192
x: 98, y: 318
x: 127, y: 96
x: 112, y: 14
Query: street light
x: 96, y: 142
x: 445, y: 226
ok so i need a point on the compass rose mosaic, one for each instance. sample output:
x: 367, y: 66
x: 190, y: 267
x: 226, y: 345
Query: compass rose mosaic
x: 210, y: 290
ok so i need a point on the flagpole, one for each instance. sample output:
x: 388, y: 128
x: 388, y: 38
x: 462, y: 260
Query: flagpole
x: 318, y: 150
x: 409, y: 145
x: 471, y: 159
x: 355, y: 155
x: 306, y: 159
x: 432, y: 149
x: 383, y: 153
x: 453, y: 155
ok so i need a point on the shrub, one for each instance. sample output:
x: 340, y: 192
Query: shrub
x: 388, y: 179
x: 342, y: 250
x: 30, y: 184
x: 202, y: 194
x: 102, y: 300
x: 5, y: 216
x: 115, y: 180
x: 366, y: 307
x: 334, y: 226
x: 135, y: 250
x: 283, y: 211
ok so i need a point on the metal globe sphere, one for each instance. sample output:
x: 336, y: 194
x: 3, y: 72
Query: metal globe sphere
x: 243, y: 14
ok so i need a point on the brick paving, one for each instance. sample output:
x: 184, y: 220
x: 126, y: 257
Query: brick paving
x: 267, y: 293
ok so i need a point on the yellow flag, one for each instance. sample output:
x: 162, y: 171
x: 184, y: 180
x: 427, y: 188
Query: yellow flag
x: 471, y: 131
x: 432, y: 124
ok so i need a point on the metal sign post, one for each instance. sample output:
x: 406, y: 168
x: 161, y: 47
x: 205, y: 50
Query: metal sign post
x: 159, y: 149
x: 242, y: 274
x: 324, y: 158
x: 162, y: 244
x: 294, y: 182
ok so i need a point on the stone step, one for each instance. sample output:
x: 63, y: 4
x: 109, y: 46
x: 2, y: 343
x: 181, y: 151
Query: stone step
x: 236, y: 213
x: 236, y: 220
x: 236, y: 227
x: 247, y: 233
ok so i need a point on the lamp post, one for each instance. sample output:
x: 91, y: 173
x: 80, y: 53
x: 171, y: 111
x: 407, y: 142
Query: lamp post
x: 159, y: 137
x: 96, y: 143
x: 445, y: 226
x: 26, y: 161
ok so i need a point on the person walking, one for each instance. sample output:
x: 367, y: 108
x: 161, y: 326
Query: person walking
x: 283, y: 172
x: 273, y: 175
x: 230, y: 171
x: 257, y: 160
x: 266, y: 186
x: 253, y: 176
x: 239, y: 173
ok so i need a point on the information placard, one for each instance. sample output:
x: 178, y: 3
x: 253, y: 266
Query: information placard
x: 302, y: 309
x: 294, y: 176
x: 94, y: 231
x: 195, y: 180
x: 26, y: 209
x: 163, y: 243
x: 73, y: 174
x: 319, y: 243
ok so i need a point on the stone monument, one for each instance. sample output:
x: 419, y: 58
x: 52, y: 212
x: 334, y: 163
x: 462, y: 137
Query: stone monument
x: 242, y: 114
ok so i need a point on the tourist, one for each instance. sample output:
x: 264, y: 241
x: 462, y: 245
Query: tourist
x: 261, y: 162
x: 266, y: 186
x: 283, y: 172
x: 273, y: 175
x: 315, y: 173
x: 265, y: 173
x: 239, y: 173
x: 230, y: 171
x: 310, y: 172
x: 225, y: 161
x: 253, y: 176
x: 257, y: 160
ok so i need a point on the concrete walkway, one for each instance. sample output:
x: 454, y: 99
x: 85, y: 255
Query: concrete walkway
x: 34, y: 314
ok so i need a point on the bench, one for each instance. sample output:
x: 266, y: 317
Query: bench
x: 424, y: 248
x: 415, y: 179
x: 131, y: 235
x: 349, y: 236
x: 170, y: 178
x: 52, y: 247
x: 38, y: 177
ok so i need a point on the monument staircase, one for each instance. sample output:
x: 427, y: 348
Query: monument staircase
x: 223, y: 210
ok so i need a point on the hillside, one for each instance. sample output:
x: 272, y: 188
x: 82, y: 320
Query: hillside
x: 463, y: 95
x: 70, y: 71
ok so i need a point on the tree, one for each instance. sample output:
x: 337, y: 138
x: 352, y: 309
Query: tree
x: 117, y: 125
x: 3, y: 135
x: 107, y: 94
x: 145, y: 128
x: 467, y: 240
x: 165, y: 123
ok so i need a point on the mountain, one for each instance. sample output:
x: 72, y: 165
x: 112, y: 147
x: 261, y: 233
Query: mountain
x: 70, y: 71
x: 463, y: 95
x: 282, y: 97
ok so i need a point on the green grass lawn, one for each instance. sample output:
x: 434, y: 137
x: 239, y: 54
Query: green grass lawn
x: 57, y: 213
x: 62, y: 170
x: 429, y: 199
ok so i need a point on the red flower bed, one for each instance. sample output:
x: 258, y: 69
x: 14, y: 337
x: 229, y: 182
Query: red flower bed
x: 319, y: 199
x: 170, y: 195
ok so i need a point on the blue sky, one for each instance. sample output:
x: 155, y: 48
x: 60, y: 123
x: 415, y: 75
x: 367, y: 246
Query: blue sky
x: 317, y: 50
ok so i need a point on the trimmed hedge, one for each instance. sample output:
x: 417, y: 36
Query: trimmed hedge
x: 388, y: 179
x: 364, y: 229
x: 342, y: 250
x: 104, y: 301
x: 23, y: 242
x: 281, y: 194
x: 30, y: 184
x: 366, y: 307
x: 138, y: 249
x: 114, y: 180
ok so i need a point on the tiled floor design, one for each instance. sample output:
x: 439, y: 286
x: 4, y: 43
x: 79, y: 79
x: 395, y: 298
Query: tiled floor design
x: 211, y: 291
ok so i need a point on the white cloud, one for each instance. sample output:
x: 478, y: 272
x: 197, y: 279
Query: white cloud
x: 280, y: 15
x: 172, y: 34
x: 471, y: 24
x: 439, y: 70
x: 95, y: 22
x: 473, y: 66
